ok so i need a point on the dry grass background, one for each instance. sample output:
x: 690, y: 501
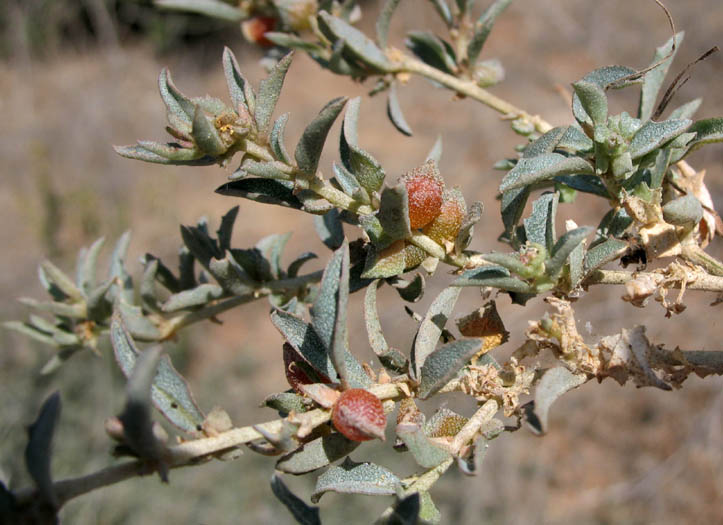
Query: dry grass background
x: 613, y: 455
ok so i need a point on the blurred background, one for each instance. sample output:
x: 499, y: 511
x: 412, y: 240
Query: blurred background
x: 79, y: 76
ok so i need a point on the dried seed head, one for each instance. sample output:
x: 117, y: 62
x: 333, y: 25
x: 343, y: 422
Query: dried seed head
x: 424, y: 187
x: 359, y: 415
x: 255, y: 28
x: 446, y: 225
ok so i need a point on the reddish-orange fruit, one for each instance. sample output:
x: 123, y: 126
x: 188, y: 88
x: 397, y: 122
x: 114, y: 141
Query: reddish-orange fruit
x: 299, y: 372
x: 424, y: 187
x: 446, y: 225
x: 359, y: 415
x: 255, y: 28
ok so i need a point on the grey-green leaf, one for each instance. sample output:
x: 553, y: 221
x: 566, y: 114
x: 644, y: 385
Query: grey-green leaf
x: 38, y: 451
x: 683, y: 211
x: 394, y: 111
x: 269, y: 91
x: 424, y: 452
x: 316, y: 454
x: 603, y: 253
x: 394, y: 212
x: 329, y: 229
x: 553, y: 384
x: 205, y: 135
x: 604, y: 77
x: 211, y: 8
x: 266, y: 191
x: 540, y: 226
x: 276, y: 140
x: 363, y: 48
x: 356, y: 478
x: 431, y: 327
x: 431, y: 50
x: 652, y: 135
x: 87, y: 266
x: 302, y: 513
x: 708, y: 131
x: 482, y: 28
x: 564, y: 247
x: 304, y: 339
x: 383, y: 21
x: 177, y: 103
x: 444, y: 364
x: 198, y: 296
x: 170, y: 392
x: 593, y: 100
x: 653, y: 79
x: 543, y: 167
x: 237, y: 84
x: 308, y: 150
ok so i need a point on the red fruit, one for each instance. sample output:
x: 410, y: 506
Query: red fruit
x: 424, y: 187
x: 359, y: 415
x: 255, y: 28
x: 446, y: 225
x: 298, y: 371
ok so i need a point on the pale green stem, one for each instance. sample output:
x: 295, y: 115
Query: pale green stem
x: 407, y: 64
x: 429, y: 478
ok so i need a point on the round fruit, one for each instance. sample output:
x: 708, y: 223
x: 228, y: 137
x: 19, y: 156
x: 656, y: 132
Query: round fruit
x: 255, y: 28
x: 424, y: 187
x: 359, y: 415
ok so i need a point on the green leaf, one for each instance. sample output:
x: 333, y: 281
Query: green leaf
x: 305, y: 340
x: 424, y: 452
x: 394, y: 111
x: 177, y: 103
x: 410, y: 291
x: 444, y: 364
x: 389, y: 357
x: 302, y: 513
x: 316, y: 454
x: 269, y: 91
x: 381, y: 264
x: 225, y: 230
x: 286, y: 402
x: 211, y: 8
x: 431, y: 50
x: 363, y: 48
x: 276, y: 140
x: 593, y: 100
x: 394, y: 212
x: 198, y: 296
x: 367, y: 170
x: 614, y: 223
x: 296, y: 264
x: 291, y: 41
x: 483, y: 27
x: 543, y: 167
x: 271, y: 248
x: 38, y: 451
x: 435, y: 153
x: 308, y: 150
x: 329, y: 229
x: 87, y: 262
x: 118, y: 272
x: 443, y: 11
x: 383, y: 21
x: 544, y: 144
x: 653, y: 79
x: 687, y: 110
x: 495, y: 276
x: 403, y: 512
x: 170, y: 392
x: 54, y: 278
x: 575, y: 141
x: 205, y: 135
x: 237, y: 83
x: 555, y: 382
x: 708, y: 131
x: 604, y: 77
x: 430, y: 329
x: 266, y: 191
x: 603, y: 253
x: 585, y: 183
x: 652, y: 135
x: 136, y: 416
x: 683, y: 211
x: 356, y: 478
x: 168, y: 154
x: 349, y: 184
x: 464, y: 236
x: 540, y: 226
x: 564, y: 247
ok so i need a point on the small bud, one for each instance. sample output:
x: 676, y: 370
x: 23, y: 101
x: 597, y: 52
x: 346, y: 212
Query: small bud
x: 446, y: 225
x: 359, y: 415
x: 255, y: 28
x: 424, y: 187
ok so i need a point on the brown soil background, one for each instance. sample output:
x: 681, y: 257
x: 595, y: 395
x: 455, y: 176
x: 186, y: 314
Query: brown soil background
x: 613, y: 455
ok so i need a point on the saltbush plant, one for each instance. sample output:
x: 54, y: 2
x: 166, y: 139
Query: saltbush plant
x: 403, y: 231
